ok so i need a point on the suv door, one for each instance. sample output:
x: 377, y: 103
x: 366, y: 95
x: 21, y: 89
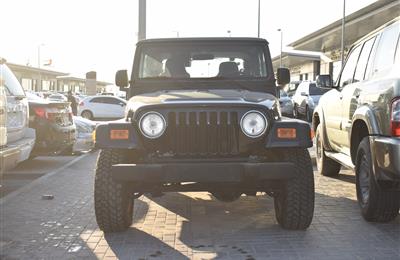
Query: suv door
x: 351, y: 93
x: 333, y: 108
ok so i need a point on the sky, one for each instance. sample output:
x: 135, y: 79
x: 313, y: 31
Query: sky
x: 84, y: 35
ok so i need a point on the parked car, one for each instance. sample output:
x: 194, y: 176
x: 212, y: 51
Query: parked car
x: 84, y: 134
x: 52, y: 121
x: 194, y: 127
x: 286, y: 104
x: 357, y: 123
x: 291, y: 88
x: 305, y: 99
x: 16, y: 138
x: 102, y: 107
x: 57, y: 97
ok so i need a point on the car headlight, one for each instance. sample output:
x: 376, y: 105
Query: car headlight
x: 254, y: 124
x: 152, y: 125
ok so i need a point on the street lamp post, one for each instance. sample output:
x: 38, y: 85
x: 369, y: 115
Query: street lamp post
x: 258, y: 33
x: 280, y: 58
x: 38, y: 51
x: 177, y: 33
x: 39, y: 83
x: 343, y: 23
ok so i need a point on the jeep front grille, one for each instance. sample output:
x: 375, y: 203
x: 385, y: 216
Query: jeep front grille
x: 203, y: 133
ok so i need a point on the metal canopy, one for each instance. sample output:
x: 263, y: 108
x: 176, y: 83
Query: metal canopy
x: 358, y: 24
x: 292, y: 58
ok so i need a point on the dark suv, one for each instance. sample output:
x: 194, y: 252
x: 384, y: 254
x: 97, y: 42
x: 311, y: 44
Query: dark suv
x: 357, y: 123
x: 203, y: 116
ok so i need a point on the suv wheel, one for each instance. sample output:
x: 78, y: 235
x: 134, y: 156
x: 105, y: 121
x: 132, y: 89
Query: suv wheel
x: 376, y: 204
x: 112, y: 200
x: 294, y: 205
x: 325, y: 165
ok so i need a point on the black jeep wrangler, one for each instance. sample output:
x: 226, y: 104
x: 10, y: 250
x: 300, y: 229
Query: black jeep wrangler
x: 203, y: 115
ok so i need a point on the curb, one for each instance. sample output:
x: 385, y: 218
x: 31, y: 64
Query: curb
x: 40, y: 180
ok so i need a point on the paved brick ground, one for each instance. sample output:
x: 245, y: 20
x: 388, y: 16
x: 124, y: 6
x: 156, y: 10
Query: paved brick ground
x: 187, y: 225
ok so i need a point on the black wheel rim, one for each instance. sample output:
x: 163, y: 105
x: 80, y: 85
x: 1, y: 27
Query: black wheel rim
x: 363, y: 177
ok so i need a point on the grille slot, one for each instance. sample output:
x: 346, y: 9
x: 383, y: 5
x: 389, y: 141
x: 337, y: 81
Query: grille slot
x: 203, y: 133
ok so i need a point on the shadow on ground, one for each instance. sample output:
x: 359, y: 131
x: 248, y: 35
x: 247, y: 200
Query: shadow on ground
x: 247, y: 229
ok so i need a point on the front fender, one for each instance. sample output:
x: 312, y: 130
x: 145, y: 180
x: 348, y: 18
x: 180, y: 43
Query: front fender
x: 103, y: 139
x: 318, y: 111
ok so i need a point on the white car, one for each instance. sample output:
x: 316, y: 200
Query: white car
x: 102, y: 107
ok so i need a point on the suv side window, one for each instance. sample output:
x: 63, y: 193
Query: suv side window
x: 384, y: 57
x: 12, y: 85
x: 348, y: 70
x: 363, y: 60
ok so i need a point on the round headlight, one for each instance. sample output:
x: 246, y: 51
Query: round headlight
x: 254, y: 124
x: 152, y: 125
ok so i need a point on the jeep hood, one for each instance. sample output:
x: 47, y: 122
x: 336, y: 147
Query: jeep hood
x: 202, y: 97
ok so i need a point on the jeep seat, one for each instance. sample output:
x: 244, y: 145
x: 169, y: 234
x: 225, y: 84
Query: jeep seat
x: 228, y: 69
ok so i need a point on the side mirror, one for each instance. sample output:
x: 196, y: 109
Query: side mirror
x: 121, y: 79
x: 282, y: 76
x: 324, y: 81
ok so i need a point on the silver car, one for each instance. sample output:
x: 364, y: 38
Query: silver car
x: 84, y: 135
x: 306, y: 99
x: 286, y: 104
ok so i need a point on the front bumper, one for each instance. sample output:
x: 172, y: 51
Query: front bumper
x: 386, y: 157
x: 16, y: 152
x: 50, y: 138
x: 203, y: 172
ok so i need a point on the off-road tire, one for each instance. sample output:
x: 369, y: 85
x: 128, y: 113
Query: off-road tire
x: 381, y: 205
x: 294, y: 205
x: 112, y: 200
x: 325, y: 165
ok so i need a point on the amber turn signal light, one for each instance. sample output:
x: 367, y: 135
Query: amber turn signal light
x: 119, y: 134
x: 286, y: 133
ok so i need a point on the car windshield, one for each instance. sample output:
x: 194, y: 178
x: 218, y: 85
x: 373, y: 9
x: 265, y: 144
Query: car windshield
x: 316, y: 91
x: 202, y: 61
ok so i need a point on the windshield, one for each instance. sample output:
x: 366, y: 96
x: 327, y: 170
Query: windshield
x: 202, y: 61
x: 316, y: 91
